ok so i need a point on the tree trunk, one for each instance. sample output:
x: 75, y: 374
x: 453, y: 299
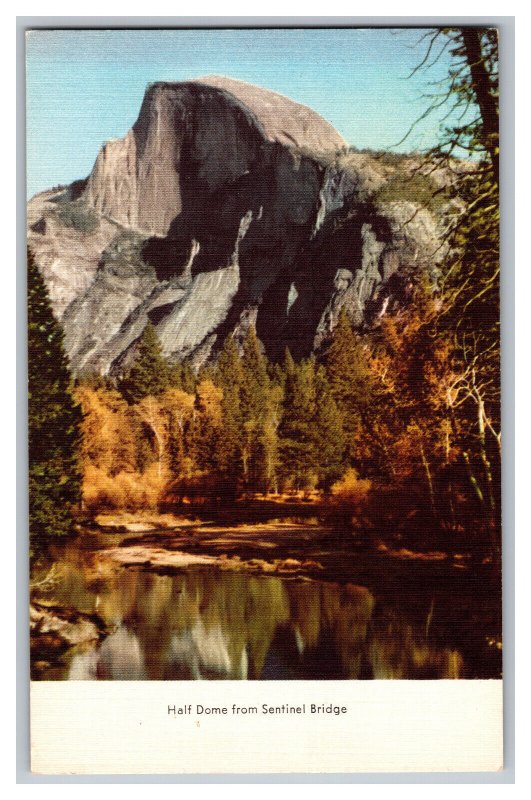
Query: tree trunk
x: 475, y: 485
x: 428, y: 477
x: 487, y: 102
x: 485, y: 459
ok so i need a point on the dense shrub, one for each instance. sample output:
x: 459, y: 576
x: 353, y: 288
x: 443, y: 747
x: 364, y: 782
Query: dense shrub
x: 416, y: 188
x: 126, y: 490
x: 79, y: 217
x: 351, y: 490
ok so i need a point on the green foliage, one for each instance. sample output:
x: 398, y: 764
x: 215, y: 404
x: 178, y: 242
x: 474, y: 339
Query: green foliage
x: 93, y: 380
x: 296, y: 431
x: 230, y: 379
x: 78, y: 216
x: 205, y: 436
x: 349, y: 378
x: 255, y: 381
x: 124, y: 249
x: 345, y: 364
x: 328, y: 432
x: 254, y: 397
x: 388, y: 157
x: 415, y: 188
x: 182, y: 376
x: 311, y: 436
x: 53, y: 420
x: 149, y: 373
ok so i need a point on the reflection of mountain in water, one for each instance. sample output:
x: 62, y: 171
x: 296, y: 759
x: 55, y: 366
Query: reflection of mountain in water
x: 214, y: 625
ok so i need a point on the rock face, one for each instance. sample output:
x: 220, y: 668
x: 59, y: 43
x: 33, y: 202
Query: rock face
x: 192, y: 140
x: 224, y: 205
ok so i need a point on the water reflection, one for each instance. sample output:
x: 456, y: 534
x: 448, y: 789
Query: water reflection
x: 215, y: 625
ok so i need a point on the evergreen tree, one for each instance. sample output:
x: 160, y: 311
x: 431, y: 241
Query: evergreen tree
x: 149, y: 373
x: 175, y: 375
x: 207, y: 425
x: 270, y: 438
x: 279, y: 372
x: 180, y: 410
x: 348, y: 377
x: 289, y: 366
x: 255, y: 383
x: 328, y: 433
x: 53, y: 420
x: 296, y: 432
x: 254, y: 399
x: 189, y: 379
x: 230, y: 377
x: 181, y: 375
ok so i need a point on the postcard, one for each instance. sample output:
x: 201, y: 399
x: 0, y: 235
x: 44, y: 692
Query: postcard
x: 264, y: 400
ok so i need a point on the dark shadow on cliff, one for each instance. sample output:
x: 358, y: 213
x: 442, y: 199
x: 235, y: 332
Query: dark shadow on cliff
x: 266, y: 253
x: 211, y: 218
x: 284, y: 273
x: 337, y: 246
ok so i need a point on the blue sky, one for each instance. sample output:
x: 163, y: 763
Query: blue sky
x: 84, y: 87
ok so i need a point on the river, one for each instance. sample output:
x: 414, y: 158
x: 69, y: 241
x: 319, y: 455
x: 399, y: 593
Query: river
x: 203, y: 622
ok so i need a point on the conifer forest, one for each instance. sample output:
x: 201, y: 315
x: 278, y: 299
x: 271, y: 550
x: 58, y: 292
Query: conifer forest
x: 284, y: 506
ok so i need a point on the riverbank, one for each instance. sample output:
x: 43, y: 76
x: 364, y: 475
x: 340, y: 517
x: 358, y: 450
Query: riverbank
x: 315, y: 545
x: 138, y: 577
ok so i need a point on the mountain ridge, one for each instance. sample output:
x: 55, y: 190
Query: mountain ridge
x: 227, y: 205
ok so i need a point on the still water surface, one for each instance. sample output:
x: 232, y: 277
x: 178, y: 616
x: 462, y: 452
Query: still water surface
x: 208, y: 624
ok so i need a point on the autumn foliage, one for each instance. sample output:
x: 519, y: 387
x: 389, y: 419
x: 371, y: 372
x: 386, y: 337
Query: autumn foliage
x: 243, y: 426
x: 399, y: 420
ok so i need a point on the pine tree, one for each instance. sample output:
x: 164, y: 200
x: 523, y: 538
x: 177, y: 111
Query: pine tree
x: 328, y: 433
x: 207, y: 424
x: 348, y: 377
x: 180, y: 409
x: 149, y: 373
x: 175, y: 375
x: 254, y: 398
x: 255, y: 383
x: 288, y: 366
x: 296, y: 432
x: 54, y: 420
x: 181, y: 375
x: 230, y: 377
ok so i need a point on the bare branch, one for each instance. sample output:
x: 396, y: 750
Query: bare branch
x: 434, y: 36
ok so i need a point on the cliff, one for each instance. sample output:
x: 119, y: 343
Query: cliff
x: 226, y: 205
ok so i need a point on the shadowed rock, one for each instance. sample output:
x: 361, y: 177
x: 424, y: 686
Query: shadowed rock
x: 225, y: 205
